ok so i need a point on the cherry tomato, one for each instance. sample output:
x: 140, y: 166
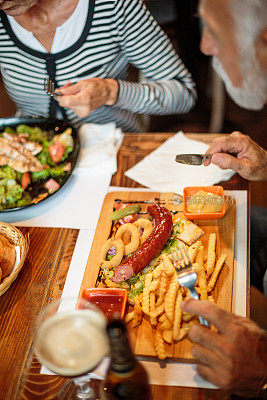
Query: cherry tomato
x: 25, y: 180
x: 56, y: 151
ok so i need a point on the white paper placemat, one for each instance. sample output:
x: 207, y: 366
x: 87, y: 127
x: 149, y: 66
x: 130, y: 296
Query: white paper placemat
x: 175, y: 374
x: 76, y: 205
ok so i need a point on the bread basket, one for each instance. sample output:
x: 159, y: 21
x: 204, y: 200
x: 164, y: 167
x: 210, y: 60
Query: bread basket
x: 16, y: 237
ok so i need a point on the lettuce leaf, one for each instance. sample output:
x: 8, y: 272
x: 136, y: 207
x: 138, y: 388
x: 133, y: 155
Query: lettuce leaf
x: 10, y: 193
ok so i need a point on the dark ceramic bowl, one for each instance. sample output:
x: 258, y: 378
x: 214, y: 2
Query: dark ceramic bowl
x: 37, y: 190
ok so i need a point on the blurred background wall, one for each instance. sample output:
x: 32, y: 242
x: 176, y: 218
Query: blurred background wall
x: 214, y: 111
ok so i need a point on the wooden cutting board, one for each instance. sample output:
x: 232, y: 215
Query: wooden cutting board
x: 141, y: 337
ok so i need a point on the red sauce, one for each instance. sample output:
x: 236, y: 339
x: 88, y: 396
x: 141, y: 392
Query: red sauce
x: 108, y: 303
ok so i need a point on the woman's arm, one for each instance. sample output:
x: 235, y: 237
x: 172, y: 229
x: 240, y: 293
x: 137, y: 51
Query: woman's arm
x: 168, y: 89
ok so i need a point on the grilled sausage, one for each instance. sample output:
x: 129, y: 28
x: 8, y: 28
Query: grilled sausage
x: 150, y: 248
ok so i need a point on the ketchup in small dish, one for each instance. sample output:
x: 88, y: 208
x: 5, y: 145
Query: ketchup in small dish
x: 108, y: 300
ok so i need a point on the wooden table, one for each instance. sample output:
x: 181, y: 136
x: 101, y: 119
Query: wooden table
x: 42, y: 279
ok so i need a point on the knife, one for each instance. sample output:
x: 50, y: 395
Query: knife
x: 192, y: 159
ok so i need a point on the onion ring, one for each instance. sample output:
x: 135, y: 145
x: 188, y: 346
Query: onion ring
x: 116, y: 260
x: 147, y: 227
x: 135, y: 237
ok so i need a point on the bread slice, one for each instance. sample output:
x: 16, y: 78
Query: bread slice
x: 8, y: 256
x: 2, y: 249
x: 190, y: 232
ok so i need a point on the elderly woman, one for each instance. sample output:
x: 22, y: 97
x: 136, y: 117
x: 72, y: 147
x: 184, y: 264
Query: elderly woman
x: 85, y: 47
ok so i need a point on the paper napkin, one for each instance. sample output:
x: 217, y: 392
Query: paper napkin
x: 159, y: 171
x: 99, y: 147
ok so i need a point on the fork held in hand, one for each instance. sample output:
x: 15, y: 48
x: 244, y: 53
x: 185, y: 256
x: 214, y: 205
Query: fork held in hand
x: 49, y: 88
x: 187, y: 277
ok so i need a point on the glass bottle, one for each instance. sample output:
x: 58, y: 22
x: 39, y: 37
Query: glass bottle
x: 126, y: 377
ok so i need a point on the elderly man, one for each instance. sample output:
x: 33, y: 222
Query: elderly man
x: 235, y: 356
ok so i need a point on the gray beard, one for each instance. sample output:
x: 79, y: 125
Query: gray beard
x: 253, y: 93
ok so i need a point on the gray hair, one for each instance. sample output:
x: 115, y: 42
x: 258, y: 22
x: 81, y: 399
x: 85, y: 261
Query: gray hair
x: 250, y: 17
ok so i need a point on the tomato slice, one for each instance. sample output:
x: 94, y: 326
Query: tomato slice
x: 56, y: 151
x: 51, y: 185
x: 25, y: 180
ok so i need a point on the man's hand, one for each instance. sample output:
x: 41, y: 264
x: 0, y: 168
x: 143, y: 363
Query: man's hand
x: 240, y: 153
x: 235, y: 357
x: 85, y: 96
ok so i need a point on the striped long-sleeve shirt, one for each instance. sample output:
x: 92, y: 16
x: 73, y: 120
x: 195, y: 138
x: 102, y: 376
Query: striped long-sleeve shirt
x: 116, y: 33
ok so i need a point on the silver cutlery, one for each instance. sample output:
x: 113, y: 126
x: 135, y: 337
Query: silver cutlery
x: 49, y: 88
x: 192, y: 159
x: 187, y: 277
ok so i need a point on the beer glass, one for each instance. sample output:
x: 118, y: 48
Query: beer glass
x: 70, y: 340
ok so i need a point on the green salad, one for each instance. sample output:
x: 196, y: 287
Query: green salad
x: 30, y: 155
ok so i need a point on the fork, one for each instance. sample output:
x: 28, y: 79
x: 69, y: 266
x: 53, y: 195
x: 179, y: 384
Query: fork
x: 187, y: 277
x: 49, y: 88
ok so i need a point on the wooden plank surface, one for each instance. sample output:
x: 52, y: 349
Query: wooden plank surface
x: 42, y: 278
x: 142, y: 336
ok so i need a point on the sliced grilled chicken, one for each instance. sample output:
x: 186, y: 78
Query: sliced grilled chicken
x: 33, y: 147
x: 18, y: 152
x: 18, y: 166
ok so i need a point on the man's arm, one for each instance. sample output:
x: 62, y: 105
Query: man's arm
x: 240, y: 153
x: 233, y: 358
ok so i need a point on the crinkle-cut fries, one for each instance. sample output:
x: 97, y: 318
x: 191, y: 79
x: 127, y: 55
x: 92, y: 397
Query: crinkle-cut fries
x: 162, y: 295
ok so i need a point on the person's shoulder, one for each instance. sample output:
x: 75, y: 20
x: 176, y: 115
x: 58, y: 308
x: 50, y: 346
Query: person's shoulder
x: 122, y: 3
x: 120, y: 6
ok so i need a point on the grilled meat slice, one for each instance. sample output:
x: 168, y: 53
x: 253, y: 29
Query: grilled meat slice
x: 18, y: 152
x: 33, y: 147
x: 18, y: 166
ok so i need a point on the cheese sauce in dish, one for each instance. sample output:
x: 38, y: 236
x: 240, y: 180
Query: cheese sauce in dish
x: 204, y: 202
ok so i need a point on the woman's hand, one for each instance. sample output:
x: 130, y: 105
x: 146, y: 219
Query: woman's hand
x: 240, y: 153
x: 87, y: 95
x: 235, y: 357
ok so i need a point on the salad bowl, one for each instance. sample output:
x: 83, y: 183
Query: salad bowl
x: 58, y: 149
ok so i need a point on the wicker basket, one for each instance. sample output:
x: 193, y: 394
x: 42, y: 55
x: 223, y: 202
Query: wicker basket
x: 18, y: 239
